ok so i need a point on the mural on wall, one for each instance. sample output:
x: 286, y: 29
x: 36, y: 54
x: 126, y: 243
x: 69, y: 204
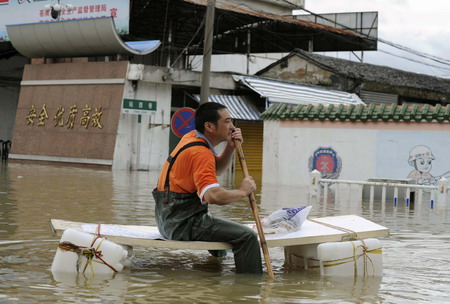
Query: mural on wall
x: 421, y: 158
x: 326, y: 161
x: 401, y: 155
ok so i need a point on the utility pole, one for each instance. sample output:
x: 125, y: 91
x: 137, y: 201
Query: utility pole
x: 207, y: 50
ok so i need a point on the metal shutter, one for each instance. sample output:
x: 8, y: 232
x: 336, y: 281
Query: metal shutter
x: 376, y: 97
x: 253, y: 148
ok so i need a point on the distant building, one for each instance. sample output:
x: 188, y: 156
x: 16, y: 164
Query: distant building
x: 373, y: 83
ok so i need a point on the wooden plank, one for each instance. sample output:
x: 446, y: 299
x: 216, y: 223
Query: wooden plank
x: 311, y: 232
x: 58, y: 227
x: 314, y: 233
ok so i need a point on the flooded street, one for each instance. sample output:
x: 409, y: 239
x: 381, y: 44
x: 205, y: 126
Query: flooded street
x: 415, y: 256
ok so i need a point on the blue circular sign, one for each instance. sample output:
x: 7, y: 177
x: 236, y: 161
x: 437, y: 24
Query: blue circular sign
x: 183, y: 121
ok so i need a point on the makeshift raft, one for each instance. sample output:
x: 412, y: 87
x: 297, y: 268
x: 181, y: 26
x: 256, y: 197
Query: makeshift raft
x: 312, y: 233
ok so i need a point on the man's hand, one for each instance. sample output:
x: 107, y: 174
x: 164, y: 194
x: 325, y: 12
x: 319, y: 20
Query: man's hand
x: 223, y: 161
x: 248, y: 185
x: 222, y: 196
x: 236, y: 134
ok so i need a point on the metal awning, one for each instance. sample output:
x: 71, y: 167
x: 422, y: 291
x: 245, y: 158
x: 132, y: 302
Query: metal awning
x: 238, y: 106
x: 242, y: 29
x: 238, y: 29
x: 74, y: 38
x: 283, y: 92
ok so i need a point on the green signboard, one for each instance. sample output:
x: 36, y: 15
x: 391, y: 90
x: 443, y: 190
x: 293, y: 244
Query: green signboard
x: 137, y: 106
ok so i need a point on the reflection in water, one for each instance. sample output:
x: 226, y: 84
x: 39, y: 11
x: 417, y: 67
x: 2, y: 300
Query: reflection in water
x: 8, y: 204
x: 101, y: 288
x: 414, y: 255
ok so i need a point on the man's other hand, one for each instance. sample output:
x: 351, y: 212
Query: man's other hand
x: 248, y: 185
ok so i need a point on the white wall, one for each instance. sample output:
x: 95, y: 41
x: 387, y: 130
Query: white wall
x: 236, y: 63
x: 144, y: 145
x: 368, y: 150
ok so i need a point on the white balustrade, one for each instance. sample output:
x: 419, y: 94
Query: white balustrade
x: 441, y: 189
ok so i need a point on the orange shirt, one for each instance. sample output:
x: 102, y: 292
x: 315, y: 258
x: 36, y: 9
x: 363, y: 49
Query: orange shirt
x: 194, y: 169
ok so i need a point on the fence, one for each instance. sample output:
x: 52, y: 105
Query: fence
x: 317, y: 182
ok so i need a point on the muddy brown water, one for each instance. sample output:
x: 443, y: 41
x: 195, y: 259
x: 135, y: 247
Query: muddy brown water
x: 415, y: 256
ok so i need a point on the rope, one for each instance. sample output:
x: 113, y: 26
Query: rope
x: 365, y: 255
x: 88, y: 252
x: 97, y: 236
x: 354, y: 258
x: 351, y: 235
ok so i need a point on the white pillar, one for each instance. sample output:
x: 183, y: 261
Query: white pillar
x: 314, y: 188
x: 442, y: 193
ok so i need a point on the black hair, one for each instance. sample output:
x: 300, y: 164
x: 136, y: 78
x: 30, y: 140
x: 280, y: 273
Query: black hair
x: 207, y: 112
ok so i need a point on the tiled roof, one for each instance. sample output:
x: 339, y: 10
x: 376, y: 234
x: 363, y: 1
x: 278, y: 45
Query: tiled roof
x: 372, y: 112
x: 370, y: 72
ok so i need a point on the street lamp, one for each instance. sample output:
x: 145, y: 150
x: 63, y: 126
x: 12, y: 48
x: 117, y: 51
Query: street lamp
x: 56, y: 9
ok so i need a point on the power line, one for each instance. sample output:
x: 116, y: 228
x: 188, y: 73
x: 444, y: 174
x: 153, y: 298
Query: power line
x: 421, y: 54
x: 189, y: 43
x: 413, y: 60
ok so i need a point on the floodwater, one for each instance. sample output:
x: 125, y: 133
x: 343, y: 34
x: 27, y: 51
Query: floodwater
x: 415, y: 256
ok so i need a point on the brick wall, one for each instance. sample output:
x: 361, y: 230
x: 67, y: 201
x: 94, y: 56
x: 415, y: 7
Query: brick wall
x: 55, y: 89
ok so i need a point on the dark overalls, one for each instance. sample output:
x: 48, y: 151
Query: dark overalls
x: 183, y: 217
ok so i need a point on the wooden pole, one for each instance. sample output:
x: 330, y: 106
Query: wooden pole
x: 207, y: 51
x: 252, y: 200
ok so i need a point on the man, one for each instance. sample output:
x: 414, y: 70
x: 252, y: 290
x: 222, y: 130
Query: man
x: 188, y: 183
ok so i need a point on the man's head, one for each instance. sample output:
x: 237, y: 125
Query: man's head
x: 207, y: 112
x: 214, y: 121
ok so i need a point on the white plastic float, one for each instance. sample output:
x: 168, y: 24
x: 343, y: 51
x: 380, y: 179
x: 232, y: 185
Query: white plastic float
x: 81, y: 252
x: 346, y: 258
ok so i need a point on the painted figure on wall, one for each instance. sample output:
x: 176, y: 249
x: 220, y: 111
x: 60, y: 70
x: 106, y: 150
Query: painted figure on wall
x: 421, y: 157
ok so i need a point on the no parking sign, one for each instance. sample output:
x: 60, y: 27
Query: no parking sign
x: 183, y: 121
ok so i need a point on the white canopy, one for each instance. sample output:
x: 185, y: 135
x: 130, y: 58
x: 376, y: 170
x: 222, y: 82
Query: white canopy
x: 74, y: 38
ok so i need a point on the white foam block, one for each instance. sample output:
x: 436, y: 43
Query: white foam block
x: 347, y: 258
x: 111, y: 253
